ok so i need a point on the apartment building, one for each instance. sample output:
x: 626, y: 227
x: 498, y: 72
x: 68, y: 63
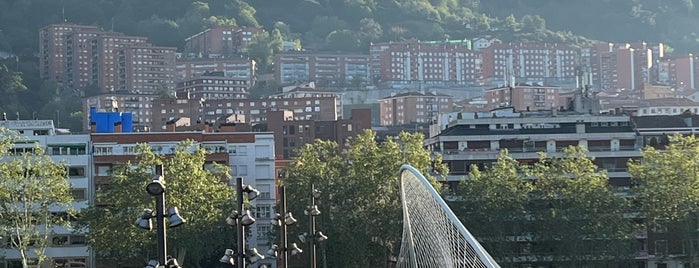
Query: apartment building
x: 291, y: 134
x: 524, y: 97
x: 413, y: 107
x: 66, y: 247
x: 249, y: 155
x: 533, y: 62
x: 145, y: 69
x: 105, y: 59
x: 620, y: 65
x: 53, y: 48
x: 78, y: 58
x: 325, y: 69
x: 213, y: 86
x: 680, y: 72
x: 251, y: 111
x: 220, y: 42
x: 415, y: 64
x: 237, y: 68
x: 310, y: 90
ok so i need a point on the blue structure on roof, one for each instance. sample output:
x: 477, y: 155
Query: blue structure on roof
x: 105, y: 122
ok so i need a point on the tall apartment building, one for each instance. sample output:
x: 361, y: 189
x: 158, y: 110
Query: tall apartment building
x: 524, y: 97
x: 531, y: 62
x: 145, y: 69
x: 291, y: 134
x: 236, y: 68
x: 413, y: 107
x: 619, y: 66
x: 105, y: 49
x: 220, y: 42
x: 53, y: 48
x: 310, y: 91
x: 66, y: 247
x: 249, y: 155
x: 325, y: 69
x: 414, y: 64
x: 681, y: 72
x: 213, y: 86
x: 78, y: 58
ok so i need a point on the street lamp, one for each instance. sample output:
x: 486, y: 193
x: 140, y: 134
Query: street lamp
x: 242, y: 219
x: 313, y: 235
x: 282, y: 221
x: 156, y: 188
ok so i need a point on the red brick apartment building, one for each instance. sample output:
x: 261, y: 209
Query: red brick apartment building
x: 413, y: 107
x: 53, y: 48
x: 290, y: 134
x: 524, y: 97
x: 621, y: 65
x: 219, y: 42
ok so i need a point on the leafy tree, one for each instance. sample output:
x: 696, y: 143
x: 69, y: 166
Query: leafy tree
x: 360, y: 200
x: 666, y: 185
x: 561, y: 208
x: 32, y: 186
x: 342, y: 40
x: 199, y: 193
x: 263, y: 47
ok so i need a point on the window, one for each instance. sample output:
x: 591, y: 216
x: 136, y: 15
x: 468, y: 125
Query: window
x: 79, y: 194
x: 76, y: 171
x: 660, y: 247
x: 264, y: 211
x: 263, y: 231
x: 103, y: 150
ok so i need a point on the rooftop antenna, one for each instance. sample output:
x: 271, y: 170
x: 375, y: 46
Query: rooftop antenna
x: 63, y: 11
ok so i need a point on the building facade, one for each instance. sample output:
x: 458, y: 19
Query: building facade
x: 415, y: 64
x: 413, y: 107
x: 325, y: 69
x: 53, y: 48
x: 220, y: 42
x: 531, y: 62
x: 241, y: 68
x: 213, y: 86
x: 66, y: 247
x: 145, y: 69
x: 524, y: 97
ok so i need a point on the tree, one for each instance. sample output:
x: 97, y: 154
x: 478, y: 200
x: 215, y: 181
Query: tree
x: 667, y: 185
x: 560, y: 208
x: 199, y: 193
x: 263, y: 47
x: 360, y: 200
x: 32, y: 186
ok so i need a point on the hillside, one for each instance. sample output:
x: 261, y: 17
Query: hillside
x: 350, y: 25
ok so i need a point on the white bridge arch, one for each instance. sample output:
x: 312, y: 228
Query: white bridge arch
x: 432, y: 235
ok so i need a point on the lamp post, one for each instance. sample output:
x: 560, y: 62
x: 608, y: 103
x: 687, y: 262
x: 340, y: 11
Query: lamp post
x: 312, y: 211
x: 282, y: 220
x: 156, y: 188
x: 241, y: 219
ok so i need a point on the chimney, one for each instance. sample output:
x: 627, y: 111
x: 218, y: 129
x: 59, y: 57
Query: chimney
x: 93, y: 127
x: 208, y: 128
x: 170, y: 126
x: 117, y: 127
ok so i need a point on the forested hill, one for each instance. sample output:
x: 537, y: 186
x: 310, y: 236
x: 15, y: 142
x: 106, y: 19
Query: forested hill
x: 351, y: 24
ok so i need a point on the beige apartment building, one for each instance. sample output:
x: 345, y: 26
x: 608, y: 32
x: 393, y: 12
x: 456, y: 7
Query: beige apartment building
x: 413, y: 107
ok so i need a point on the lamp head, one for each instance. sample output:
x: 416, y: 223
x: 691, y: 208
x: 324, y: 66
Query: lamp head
x: 172, y: 263
x: 289, y: 219
x: 247, y: 219
x: 273, y: 251
x: 228, y: 257
x: 312, y: 210
x: 252, y: 192
x: 233, y: 218
x: 255, y: 256
x: 320, y: 236
x: 145, y: 222
x: 295, y: 249
x: 174, y: 217
x: 152, y: 264
x: 157, y: 186
x: 302, y: 237
x: 276, y: 221
x: 316, y: 193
